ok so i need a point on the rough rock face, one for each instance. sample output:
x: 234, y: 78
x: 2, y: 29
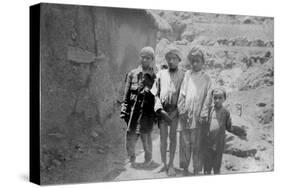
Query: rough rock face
x: 257, y: 76
x: 85, y: 54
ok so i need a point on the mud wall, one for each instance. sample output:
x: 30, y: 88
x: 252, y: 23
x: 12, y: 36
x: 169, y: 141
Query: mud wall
x: 85, y: 54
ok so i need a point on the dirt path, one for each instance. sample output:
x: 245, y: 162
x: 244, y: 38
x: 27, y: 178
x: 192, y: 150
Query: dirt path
x: 141, y: 173
x: 130, y: 173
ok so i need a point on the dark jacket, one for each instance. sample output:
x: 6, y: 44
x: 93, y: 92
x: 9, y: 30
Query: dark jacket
x: 135, y: 83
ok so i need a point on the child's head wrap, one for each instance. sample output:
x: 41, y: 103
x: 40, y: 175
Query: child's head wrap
x: 147, y: 51
x: 196, y: 52
x: 173, y: 50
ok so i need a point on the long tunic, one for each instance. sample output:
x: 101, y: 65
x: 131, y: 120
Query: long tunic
x: 166, y: 90
x: 194, y: 99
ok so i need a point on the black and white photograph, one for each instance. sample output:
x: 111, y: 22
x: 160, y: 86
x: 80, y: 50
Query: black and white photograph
x: 134, y: 94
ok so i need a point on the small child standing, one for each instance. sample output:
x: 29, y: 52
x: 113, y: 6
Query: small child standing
x: 219, y: 121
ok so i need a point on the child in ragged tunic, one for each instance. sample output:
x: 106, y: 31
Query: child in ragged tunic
x: 219, y: 121
x: 167, y: 87
x: 193, y: 105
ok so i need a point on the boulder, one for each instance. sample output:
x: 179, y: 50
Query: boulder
x: 237, y: 147
x: 236, y: 142
x: 266, y: 115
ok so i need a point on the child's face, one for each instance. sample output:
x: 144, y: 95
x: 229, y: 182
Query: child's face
x: 146, y: 61
x: 196, y: 63
x: 218, y: 99
x: 173, y: 61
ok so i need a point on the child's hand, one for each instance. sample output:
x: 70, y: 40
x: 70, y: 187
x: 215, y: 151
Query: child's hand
x: 239, y: 131
x: 165, y: 116
x: 202, y: 120
x: 125, y: 117
x: 146, y: 89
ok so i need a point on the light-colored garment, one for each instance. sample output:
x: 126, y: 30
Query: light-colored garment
x: 166, y: 90
x: 194, y: 102
x: 194, y: 99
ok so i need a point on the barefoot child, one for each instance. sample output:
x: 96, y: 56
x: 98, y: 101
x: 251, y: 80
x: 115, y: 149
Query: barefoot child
x: 193, y: 105
x: 219, y: 119
x: 167, y: 86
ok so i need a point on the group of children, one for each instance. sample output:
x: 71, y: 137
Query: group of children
x: 184, y: 102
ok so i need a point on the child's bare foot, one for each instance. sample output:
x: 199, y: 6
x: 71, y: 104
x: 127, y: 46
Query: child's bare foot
x: 147, y: 164
x: 195, y: 172
x: 133, y: 165
x: 171, y: 171
x: 162, y: 168
x: 186, y: 172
